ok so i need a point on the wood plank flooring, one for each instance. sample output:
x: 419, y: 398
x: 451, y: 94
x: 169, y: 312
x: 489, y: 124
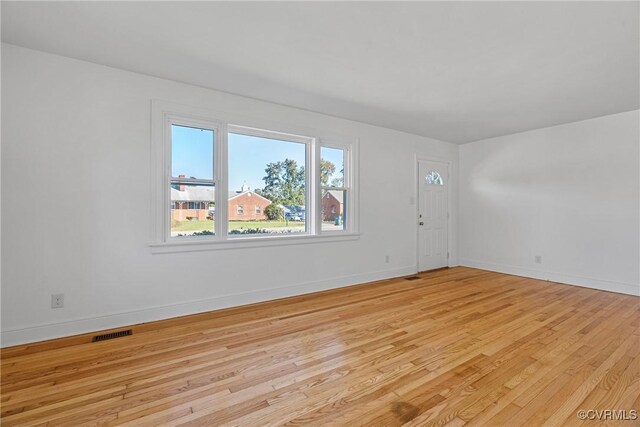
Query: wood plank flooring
x: 455, y: 347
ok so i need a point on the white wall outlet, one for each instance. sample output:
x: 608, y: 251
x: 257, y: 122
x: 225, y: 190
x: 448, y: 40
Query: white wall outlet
x: 538, y: 259
x: 386, y: 259
x: 57, y: 301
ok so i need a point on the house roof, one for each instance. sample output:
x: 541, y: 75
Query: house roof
x: 203, y: 193
x: 336, y: 194
x: 251, y: 194
x: 194, y: 193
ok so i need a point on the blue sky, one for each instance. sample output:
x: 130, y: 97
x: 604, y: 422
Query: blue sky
x: 249, y: 155
x: 192, y: 154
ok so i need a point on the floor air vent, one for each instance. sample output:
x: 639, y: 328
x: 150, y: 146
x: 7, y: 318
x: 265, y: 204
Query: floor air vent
x: 412, y: 278
x: 112, y: 335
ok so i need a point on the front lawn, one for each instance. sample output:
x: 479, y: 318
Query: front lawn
x: 186, y: 226
x: 238, y: 225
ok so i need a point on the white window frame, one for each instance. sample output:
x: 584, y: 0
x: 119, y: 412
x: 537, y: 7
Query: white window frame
x: 164, y: 114
x: 310, y: 169
x: 167, y: 120
x: 350, y: 202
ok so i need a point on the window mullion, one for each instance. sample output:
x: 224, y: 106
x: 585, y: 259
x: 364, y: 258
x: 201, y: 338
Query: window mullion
x: 191, y: 181
x: 222, y: 184
x: 313, y: 188
x: 346, y: 183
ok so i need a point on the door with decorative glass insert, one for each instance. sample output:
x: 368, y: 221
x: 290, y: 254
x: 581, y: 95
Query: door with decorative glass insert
x: 433, y: 213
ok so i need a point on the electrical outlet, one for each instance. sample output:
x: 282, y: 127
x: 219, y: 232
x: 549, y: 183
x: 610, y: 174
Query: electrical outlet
x: 386, y: 259
x: 57, y: 301
x: 538, y: 259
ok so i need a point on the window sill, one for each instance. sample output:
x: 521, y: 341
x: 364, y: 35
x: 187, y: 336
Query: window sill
x: 247, y: 242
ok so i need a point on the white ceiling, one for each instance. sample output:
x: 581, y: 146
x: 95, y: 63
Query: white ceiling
x: 453, y: 71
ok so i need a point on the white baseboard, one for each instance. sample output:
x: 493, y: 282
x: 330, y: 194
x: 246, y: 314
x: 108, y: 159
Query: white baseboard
x: 80, y: 326
x: 585, y: 282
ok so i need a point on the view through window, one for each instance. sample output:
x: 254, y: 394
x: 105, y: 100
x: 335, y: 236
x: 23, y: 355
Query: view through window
x: 267, y: 185
x: 192, y: 190
x: 249, y: 182
x: 334, y: 191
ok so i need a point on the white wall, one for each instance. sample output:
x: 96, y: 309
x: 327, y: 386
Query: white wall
x: 76, y: 196
x: 568, y: 193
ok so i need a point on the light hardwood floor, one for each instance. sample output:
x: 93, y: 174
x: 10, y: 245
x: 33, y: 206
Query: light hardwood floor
x: 455, y: 347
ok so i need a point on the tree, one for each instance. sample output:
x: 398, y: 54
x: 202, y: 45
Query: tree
x: 284, y: 183
x: 274, y: 212
x: 326, y: 170
x: 272, y: 182
x: 339, y: 180
x: 293, y: 181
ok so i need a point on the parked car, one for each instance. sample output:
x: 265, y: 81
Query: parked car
x: 294, y: 213
x: 294, y: 216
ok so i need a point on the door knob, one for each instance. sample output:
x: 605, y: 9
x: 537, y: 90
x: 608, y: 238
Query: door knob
x: 421, y: 223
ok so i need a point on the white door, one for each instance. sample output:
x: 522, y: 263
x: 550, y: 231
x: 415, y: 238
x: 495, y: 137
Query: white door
x: 433, y: 212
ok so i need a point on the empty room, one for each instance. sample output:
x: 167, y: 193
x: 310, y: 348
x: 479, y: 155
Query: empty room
x: 320, y: 213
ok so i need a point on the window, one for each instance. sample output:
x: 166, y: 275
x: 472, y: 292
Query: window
x: 191, y: 181
x: 219, y: 182
x: 271, y: 167
x: 334, y: 188
x: 433, y: 178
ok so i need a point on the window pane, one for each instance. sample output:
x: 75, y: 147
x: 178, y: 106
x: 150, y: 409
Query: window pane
x: 433, y: 178
x: 191, y: 152
x: 267, y: 185
x: 331, y: 167
x: 333, y: 210
x: 192, y: 209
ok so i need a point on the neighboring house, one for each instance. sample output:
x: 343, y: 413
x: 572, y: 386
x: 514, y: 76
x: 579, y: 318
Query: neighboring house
x: 196, y: 202
x: 332, y: 205
x: 191, y: 202
x: 247, y: 205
